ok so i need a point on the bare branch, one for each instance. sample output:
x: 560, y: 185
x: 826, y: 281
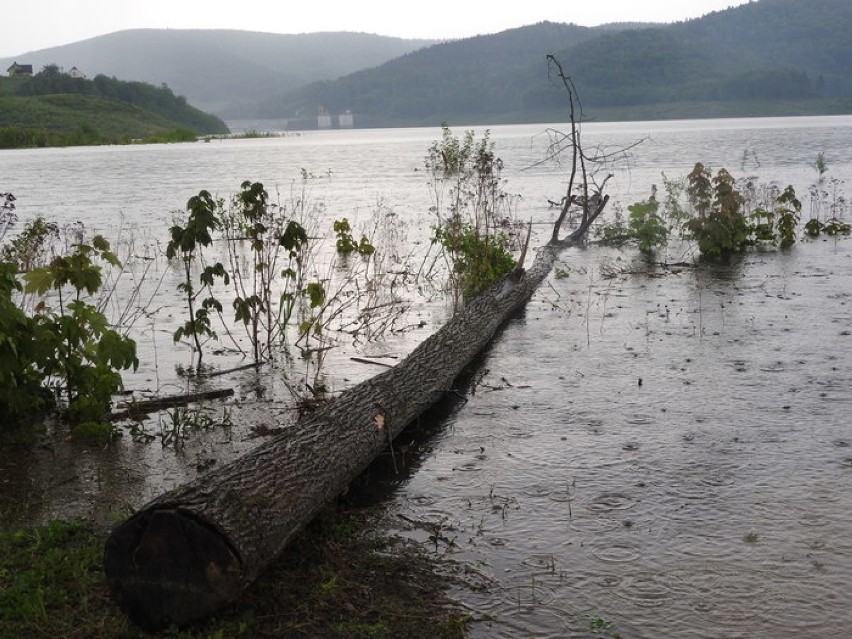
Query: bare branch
x: 587, y: 195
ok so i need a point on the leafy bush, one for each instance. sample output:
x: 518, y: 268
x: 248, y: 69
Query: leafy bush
x: 472, y: 210
x: 833, y: 226
x: 719, y: 226
x: 63, y: 352
x: 186, y: 244
x: 265, y: 293
x: 646, y: 227
x: 81, y: 355
x: 719, y: 217
x: 29, y: 248
x: 22, y: 391
x: 478, y: 260
x: 346, y: 244
x: 776, y: 224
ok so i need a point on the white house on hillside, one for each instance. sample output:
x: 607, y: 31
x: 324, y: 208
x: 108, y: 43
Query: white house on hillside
x: 19, y: 70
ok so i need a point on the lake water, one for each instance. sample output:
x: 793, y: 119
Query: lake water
x: 668, y: 451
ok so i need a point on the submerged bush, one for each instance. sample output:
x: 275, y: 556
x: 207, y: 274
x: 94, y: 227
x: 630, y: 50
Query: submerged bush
x: 478, y: 261
x: 59, y: 350
x: 646, y: 226
x: 719, y: 226
x: 717, y: 216
x: 473, y: 209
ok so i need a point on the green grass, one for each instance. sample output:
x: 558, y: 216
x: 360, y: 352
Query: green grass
x: 333, y: 581
x: 74, y: 120
x: 62, y: 113
x: 51, y: 583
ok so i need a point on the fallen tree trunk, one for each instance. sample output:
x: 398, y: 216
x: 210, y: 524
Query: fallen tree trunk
x: 162, y: 403
x: 197, y: 547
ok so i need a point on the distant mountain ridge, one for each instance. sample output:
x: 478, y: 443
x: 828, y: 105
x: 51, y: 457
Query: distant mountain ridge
x: 769, y: 49
x: 766, y: 57
x: 469, y: 76
x: 222, y: 71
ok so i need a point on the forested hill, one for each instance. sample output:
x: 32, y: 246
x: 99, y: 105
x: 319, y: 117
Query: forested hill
x: 223, y: 71
x: 479, y: 75
x: 765, y: 50
x: 767, y: 57
x: 52, y: 108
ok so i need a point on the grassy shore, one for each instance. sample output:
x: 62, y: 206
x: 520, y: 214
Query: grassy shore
x: 338, y: 579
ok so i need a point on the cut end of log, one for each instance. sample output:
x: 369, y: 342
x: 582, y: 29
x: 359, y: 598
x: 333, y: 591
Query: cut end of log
x: 165, y: 566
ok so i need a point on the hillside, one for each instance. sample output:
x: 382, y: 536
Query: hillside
x: 454, y: 79
x: 768, y: 56
x: 226, y: 72
x: 769, y: 50
x: 51, y: 109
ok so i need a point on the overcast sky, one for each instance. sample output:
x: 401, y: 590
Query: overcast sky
x: 30, y: 25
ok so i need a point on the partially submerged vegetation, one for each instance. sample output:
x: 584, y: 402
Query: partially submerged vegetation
x: 57, y: 347
x: 475, y: 233
x: 720, y: 215
x: 65, y: 355
x: 475, y: 216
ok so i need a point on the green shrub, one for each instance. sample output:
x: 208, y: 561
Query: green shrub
x: 646, y: 227
x: 472, y: 208
x: 346, y: 244
x: 63, y: 349
x: 719, y: 226
x: 776, y: 222
x: 833, y: 226
x: 478, y: 260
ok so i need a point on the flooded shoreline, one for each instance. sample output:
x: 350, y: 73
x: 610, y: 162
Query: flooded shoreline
x: 656, y: 451
x: 666, y: 454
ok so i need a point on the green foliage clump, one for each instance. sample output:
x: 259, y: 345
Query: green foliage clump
x: 719, y: 226
x: 832, y: 226
x: 478, y: 260
x: 83, y: 355
x: 265, y: 293
x: 96, y: 432
x: 60, y: 350
x: 644, y: 226
x: 346, y: 244
x: 186, y: 244
x: 29, y: 248
x: 718, y: 216
x: 472, y: 210
x: 22, y: 392
x: 777, y: 223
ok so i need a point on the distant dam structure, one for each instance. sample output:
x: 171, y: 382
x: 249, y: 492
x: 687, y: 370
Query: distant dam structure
x: 327, y: 120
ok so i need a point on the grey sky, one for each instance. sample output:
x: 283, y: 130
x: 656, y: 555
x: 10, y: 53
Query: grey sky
x: 39, y: 24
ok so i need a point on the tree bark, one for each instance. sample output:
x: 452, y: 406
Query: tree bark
x: 197, y: 547
x: 194, y: 549
x: 162, y: 403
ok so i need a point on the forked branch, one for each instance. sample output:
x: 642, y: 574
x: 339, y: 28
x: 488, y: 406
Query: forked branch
x: 586, y: 195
